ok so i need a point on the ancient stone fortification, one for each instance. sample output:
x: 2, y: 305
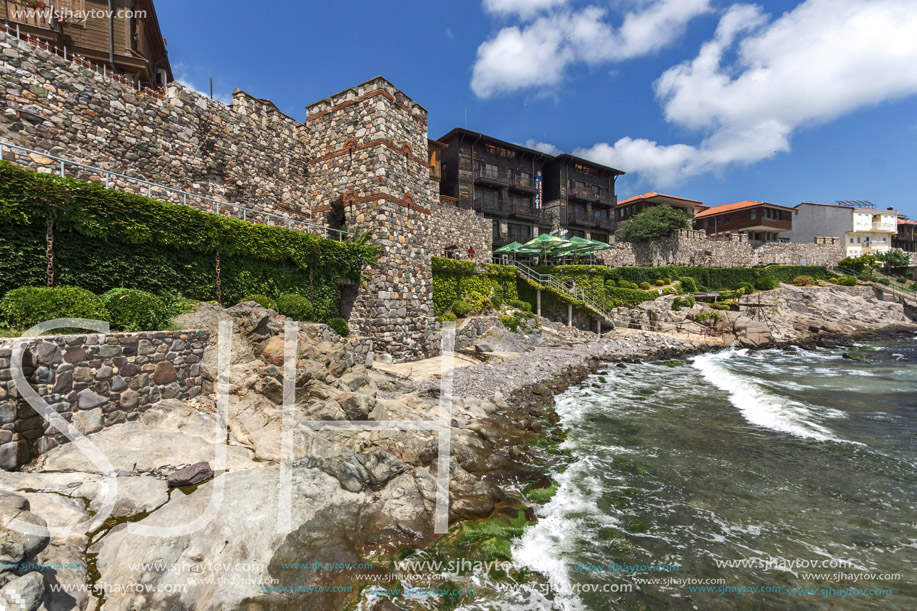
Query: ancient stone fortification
x: 692, y: 248
x: 93, y: 381
x: 96, y: 381
x: 361, y: 159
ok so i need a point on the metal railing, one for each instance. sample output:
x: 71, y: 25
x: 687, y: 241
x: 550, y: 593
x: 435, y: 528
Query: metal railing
x: 560, y: 286
x: 500, y: 175
x: 219, y: 207
x: 871, y: 276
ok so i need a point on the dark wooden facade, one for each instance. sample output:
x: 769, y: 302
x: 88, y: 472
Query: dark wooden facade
x: 759, y: 220
x: 130, y: 43
x: 906, y: 238
x: 526, y: 192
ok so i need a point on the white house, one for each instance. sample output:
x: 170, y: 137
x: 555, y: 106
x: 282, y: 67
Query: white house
x: 863, y: 229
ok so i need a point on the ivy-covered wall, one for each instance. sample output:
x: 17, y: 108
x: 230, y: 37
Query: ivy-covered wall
x: 466, y: 281
x: 105, y: 239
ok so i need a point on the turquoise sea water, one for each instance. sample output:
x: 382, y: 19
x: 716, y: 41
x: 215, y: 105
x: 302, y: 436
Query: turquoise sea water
x: 779, y: 479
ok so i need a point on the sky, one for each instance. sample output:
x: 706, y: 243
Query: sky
x: 781, y: 101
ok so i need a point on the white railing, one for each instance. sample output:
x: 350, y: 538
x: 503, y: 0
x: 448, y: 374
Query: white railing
x: 219, y: 207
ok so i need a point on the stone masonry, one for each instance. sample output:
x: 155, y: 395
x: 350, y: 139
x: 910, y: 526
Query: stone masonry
x: 693, y: 248
x: 361, y: 158
x: 93, y: 381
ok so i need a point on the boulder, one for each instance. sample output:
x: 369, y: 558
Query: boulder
x: 190, y: 475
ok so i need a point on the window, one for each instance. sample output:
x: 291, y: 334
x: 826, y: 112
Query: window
x: 754, y: 214
x: 583, y: 169
x: 499, y: 151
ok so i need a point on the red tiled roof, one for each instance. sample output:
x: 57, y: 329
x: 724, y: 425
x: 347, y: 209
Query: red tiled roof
x: 653, y: 194
x: 736, y: 206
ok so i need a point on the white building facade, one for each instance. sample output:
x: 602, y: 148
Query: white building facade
x: 863, y: 230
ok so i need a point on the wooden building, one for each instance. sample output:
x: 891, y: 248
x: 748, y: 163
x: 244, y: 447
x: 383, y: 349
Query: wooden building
x: 526, y: 192
x: 123, y: 35
x: 633, y: 206
x: 906, y: 238
x: 759, y: 220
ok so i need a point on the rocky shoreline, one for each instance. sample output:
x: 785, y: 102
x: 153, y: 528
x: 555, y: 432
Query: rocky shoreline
x: 358, y: 496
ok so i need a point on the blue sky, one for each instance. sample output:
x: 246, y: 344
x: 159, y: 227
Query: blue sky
x: 781, y: 101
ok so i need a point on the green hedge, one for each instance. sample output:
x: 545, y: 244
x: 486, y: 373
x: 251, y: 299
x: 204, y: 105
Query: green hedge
x: 594, y: 278
x: 134, y: 310
x: 105, y: 239
x: 454, y: 280
x: 28, y: 306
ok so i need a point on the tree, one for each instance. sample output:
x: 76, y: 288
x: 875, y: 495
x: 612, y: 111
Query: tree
x: 894, y: 258
x: 656, y: 223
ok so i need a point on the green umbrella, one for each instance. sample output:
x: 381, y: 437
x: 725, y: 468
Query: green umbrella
x: 543, y: 244
x: 510, y: 248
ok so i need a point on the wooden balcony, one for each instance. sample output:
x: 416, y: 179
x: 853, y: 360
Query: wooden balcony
x: 497, y: 207
x: 588, y: 194
x: 524, y: 184
x: 34, y: 20
x: 500, y: 177
x: 528, y: 213
x: 580, y: 219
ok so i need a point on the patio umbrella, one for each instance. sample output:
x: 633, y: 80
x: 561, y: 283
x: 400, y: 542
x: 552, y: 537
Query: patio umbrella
x: 510, y: 248
x: 543, y: 244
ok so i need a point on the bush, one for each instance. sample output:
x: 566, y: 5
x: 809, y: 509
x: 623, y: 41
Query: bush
x: 339, y: 326
x: 688, y: 284
x: 683, y: 302
x: 804, y: 281
x: 666, y: 280
x: 133, y: 310
x: 27, y: 306
x: 644, y: 286
x: 656, y: 223
x: 520, y: 305
x: 461, y: 309
x: 765, y: 283
x: 714, y: 317
x: 721, y: 305
x: 294, y: 306
x: 478, y: 302
x: 610, y: 284
x: 847, y: 281
x: 447, y: 317
x: 901, y: 280
x: 519, y: 320
x: 884, y: 281
x: 660, y: 282
x: 263, y: 300
x: 833, y: 279
x: 859, y: 264
x: 747, y: 287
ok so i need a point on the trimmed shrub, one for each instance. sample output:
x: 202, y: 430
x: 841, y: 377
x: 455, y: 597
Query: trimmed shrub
x: 901, y: 280
x: 520, y: 305
x: 644, y: 286
x: 461, y: 309
x: 660, y: 282
x: 747, y: 287
x: 448, y: 316
x: 765, y: 283
x: 847, y: 281
x: 804, y: 281
x: 339, y: 326
x: 629, y: 297
x: 263, y: 300
x: 721, y: 305
x: 479, y: 302
x: 294, y: 306
x: 27, y: 306
x: 610, y: 284
x: 133, y: 310
x: 884, y: 281
x: 666, y: 280
x: 683, y: 302
x: 688, y: 284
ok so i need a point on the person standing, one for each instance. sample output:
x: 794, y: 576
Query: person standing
x: 471, y: 253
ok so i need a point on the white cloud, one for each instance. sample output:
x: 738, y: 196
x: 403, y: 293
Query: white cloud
x: 822, y: 60
x: 524, y: 9
x: 543, y: 147
x: 181, y: 74
x: 539, y: 53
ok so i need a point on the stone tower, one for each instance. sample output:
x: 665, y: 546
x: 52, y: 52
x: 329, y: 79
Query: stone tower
x: 369, y: 163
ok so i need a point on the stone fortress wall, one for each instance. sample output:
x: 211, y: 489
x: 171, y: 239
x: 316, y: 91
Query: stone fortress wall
x: 694, y: 249
x: 94, y: 381
x: 360, y: 158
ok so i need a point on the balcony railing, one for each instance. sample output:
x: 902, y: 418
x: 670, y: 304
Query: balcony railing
x: 593, y: 195
x: 492, y: 206
x: 493, y: 176
x: 580, y: 218
x: 605, y: 222
x: 528, y: 212
x: 524, y: 182
x: 884, y: 227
